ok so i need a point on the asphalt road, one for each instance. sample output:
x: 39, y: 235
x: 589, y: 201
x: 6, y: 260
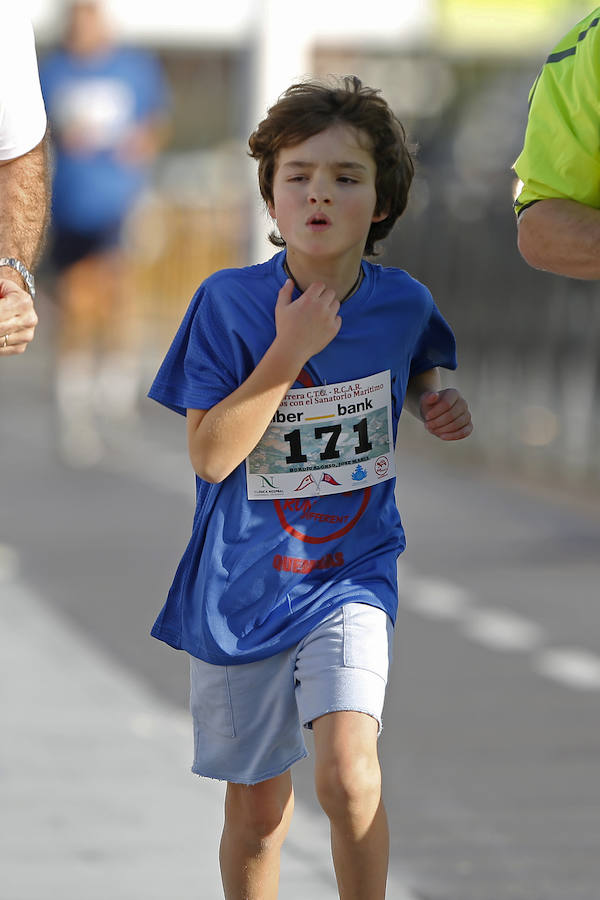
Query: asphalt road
x: 491, y: 745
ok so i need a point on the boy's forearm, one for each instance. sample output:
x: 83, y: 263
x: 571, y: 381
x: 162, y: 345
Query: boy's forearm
x: 417, y: 386
x: 228, y: 432
x: 561, y: 236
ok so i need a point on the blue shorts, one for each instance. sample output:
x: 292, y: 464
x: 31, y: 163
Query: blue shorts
x: 69, y: 247
x: 248, y: 718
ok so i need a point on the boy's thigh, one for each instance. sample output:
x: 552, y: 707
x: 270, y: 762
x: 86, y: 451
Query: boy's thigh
x: 343, y: 664
x: 346, y: 744
x: 246, y: 726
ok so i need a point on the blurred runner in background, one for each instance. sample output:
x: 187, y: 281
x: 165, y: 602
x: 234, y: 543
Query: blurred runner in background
x: 107, y: 109
x: 558, y: 204
x: 24, y: 183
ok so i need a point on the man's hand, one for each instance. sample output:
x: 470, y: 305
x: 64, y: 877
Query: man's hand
x: 446, y: 414
x: 17, y: 318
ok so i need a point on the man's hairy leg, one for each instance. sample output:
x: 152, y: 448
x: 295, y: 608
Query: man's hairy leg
x: 257, y: 819
x: 348, y: 782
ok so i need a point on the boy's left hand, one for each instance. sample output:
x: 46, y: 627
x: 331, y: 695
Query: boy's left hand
x: 446, y: 414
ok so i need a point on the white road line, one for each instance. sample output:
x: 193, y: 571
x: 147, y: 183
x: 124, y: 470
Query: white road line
x: 572, y: 667
x: 497, y: 629
x: 502, y: 630
x: 434, y: 598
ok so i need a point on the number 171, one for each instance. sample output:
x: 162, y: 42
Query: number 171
x: 294, y: 440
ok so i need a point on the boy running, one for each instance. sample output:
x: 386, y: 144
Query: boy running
x: 292, y: 375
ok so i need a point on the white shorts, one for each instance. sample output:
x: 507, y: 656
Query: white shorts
x: 248, y: 718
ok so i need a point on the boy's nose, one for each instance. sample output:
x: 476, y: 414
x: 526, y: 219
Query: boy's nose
x: 319, y: 189
x: 319, y: 197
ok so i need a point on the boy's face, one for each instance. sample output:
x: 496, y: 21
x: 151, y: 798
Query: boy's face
x: 324, y: 195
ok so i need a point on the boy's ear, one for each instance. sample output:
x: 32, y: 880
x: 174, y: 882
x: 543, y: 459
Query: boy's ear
x: 271, y: 211
x: 380, y: 216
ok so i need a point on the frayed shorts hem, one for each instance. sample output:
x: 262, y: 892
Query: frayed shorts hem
x: 250, y: 780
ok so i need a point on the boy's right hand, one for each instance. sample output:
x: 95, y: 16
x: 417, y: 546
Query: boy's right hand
x: 306, y: 325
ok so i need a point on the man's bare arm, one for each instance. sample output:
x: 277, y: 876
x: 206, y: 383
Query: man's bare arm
x: 24, y: 211
x: 24, y: 207
x: 561, y: 236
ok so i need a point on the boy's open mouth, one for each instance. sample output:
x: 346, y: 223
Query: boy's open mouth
x: 318, y: 220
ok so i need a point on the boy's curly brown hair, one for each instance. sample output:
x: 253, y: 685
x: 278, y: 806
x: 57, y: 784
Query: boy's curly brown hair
x: 309, y: 107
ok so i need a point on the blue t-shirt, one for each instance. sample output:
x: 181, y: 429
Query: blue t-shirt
x: 92, y: 104
x: 258, y: 575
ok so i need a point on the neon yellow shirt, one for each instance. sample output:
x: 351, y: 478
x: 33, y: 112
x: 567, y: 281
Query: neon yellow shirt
x: 561, y: 153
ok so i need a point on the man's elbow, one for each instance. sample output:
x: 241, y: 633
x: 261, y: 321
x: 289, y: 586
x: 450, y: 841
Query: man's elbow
x: 531, y: 240
x: 528, y: 249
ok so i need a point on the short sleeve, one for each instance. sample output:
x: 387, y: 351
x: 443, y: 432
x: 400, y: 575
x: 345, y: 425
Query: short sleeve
x: 22, y: 112
x: 561, y: 156
x: 436, y: 345
x: 197, y: 371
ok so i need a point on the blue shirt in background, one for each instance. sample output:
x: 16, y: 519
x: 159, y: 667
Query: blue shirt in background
x: 92, y: 104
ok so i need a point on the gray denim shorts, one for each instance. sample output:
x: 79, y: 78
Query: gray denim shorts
x: 248, y: 718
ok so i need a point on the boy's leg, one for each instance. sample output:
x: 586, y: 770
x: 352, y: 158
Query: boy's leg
x: 247, y: 732
x: 257, y: 818
x: 348, y: 783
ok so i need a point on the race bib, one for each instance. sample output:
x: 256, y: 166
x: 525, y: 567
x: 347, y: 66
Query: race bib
x: 325, y: 440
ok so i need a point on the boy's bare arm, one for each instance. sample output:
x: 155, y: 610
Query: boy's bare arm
x: 220, y: 438
x: 445, y: 413
x: 419, y: 385
x: 561, y: 236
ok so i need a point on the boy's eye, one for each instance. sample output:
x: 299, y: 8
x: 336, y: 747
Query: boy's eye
x: 297, y: 178
x: 346, y: 179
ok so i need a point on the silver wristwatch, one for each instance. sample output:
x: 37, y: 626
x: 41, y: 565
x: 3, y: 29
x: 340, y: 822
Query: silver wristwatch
x: 23, y: 271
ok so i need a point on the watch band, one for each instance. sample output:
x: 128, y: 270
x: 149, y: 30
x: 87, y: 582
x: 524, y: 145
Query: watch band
x: 23, y: 271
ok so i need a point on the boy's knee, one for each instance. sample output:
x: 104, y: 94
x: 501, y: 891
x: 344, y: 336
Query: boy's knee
x: 348, y: 784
